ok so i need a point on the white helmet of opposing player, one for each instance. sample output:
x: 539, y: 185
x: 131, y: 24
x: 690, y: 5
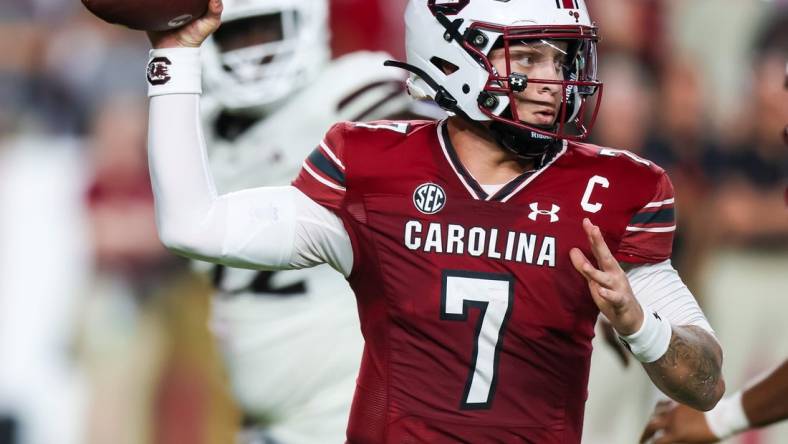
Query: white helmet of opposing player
x: 264, y: 50
x: 460, y: 34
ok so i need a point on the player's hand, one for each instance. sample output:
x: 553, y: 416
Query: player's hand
x: 609, y: 284
x: 676, y: 423
x: 193, y: 34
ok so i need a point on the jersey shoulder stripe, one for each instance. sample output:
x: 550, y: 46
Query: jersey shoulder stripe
x: 323, y: 177
x: 325, y: 165
x: 325, y: 174
x: 330, y: 153
x: 649, y: 234
x: 663, y: 216
x: 658, y: 215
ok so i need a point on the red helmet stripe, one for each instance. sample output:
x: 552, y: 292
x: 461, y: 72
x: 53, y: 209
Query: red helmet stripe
x: 566, y: 4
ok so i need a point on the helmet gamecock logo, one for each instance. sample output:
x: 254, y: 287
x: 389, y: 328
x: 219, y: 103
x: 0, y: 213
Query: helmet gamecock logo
x: 429, y: 198
x: 159, y: 71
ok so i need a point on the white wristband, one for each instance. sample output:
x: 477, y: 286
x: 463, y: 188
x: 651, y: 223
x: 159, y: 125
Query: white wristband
x: 174, y: 71
x: 652, y: 340
x: 728, y: 417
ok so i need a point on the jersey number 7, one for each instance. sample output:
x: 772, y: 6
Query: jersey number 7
x: 493, y: 295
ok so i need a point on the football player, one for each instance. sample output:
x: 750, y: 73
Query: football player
x: 291, y: 340
x: 466, y: 241
x: 764, y: 402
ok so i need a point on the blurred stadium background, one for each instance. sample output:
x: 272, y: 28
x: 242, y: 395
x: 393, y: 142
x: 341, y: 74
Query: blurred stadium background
x: 103, y: 334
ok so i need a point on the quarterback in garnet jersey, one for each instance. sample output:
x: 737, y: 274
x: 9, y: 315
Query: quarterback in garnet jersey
x: 476, y: 325
x: 481, y: 249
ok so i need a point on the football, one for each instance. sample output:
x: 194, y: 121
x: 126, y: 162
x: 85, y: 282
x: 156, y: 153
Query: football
x: 147, y: 15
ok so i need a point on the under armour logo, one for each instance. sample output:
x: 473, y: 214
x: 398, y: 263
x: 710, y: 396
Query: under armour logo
x: 536, y: 212
x: 518, y: 82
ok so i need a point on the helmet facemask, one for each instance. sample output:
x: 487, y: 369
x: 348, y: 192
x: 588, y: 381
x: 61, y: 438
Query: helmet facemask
x: 254, y: 49
x: 265, y: 51
x: 575, y: 76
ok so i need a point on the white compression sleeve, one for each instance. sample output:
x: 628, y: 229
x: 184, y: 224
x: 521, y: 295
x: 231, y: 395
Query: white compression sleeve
x: 660, y: 288
x: 269, y: 227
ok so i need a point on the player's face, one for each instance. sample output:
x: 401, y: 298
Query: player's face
x: 539, y: 104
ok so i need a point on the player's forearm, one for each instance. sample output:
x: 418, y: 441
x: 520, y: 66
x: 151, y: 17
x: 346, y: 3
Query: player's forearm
x: 184, y: 193
x: 690, y: 370
x: 183, y: 188
x: 253, y: 228
x: 766, y: 401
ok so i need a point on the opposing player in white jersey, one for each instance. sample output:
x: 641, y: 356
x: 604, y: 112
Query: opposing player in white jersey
x: 290, y: 340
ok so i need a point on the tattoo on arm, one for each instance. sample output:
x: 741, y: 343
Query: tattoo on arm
x: 690, y: 371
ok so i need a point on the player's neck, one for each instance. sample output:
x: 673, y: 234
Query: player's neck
x: 481, y: 155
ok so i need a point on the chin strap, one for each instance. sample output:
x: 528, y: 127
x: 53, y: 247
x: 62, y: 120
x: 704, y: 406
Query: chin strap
x: 522, y: 142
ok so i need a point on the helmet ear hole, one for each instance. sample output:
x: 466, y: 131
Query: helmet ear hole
x: 476, y: 38
x: 445, y: 66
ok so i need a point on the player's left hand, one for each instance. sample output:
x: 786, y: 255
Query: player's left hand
x: 609, y: 284
x: 676, y: 423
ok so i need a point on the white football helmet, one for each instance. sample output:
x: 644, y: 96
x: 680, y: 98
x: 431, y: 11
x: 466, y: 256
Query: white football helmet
x: 264, y: 50
x: 462, y: 33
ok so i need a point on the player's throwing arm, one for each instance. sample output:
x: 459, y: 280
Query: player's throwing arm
x: 254, y: 228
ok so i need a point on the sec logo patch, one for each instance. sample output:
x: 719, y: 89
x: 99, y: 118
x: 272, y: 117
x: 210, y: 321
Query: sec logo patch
x: 429, y: 198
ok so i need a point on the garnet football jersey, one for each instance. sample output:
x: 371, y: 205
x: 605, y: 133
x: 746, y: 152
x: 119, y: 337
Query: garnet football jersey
x: 477, y: 327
